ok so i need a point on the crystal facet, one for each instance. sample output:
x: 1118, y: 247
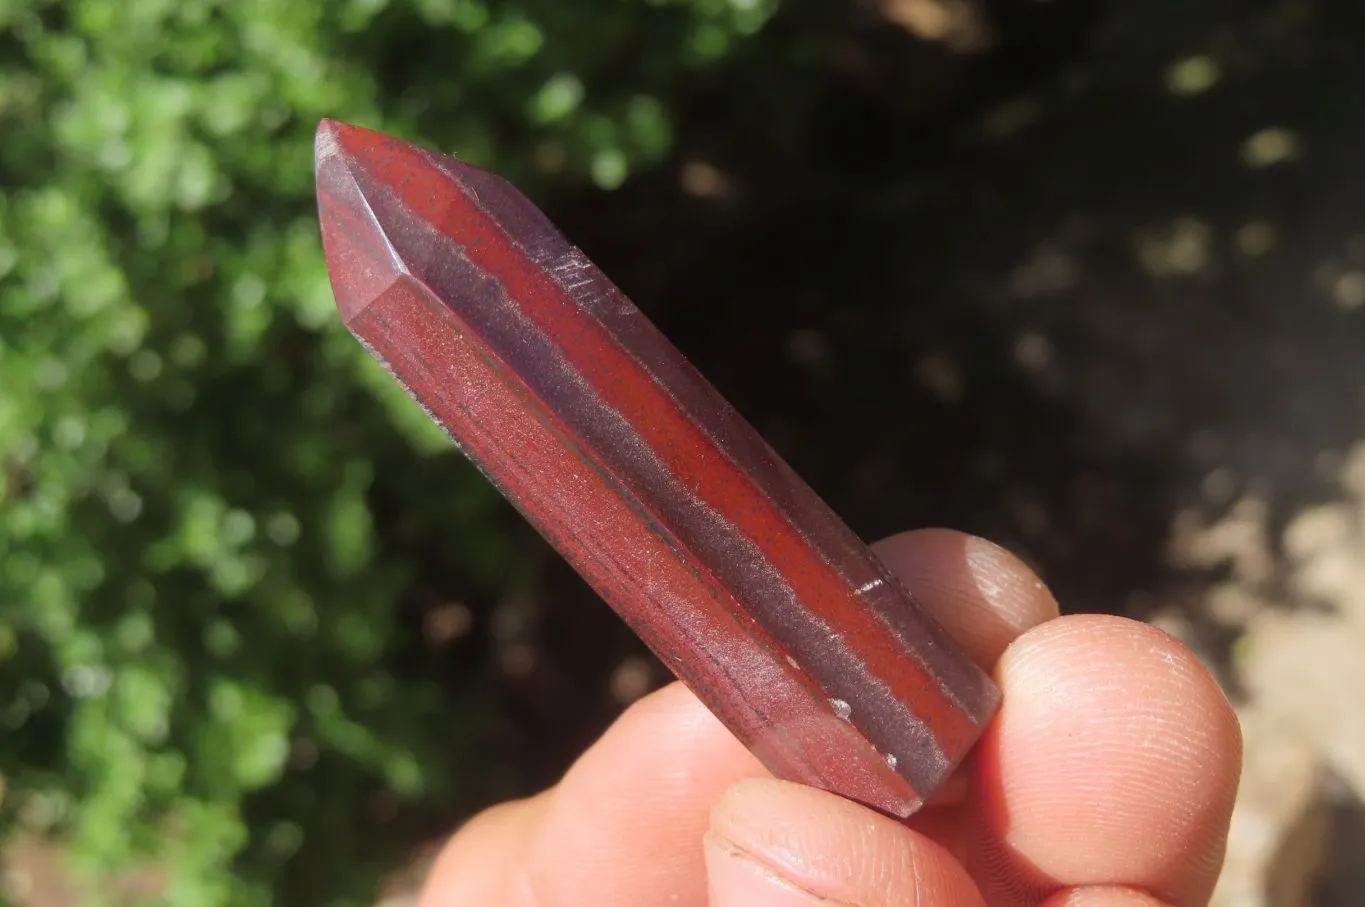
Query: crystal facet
x: 644, y: 478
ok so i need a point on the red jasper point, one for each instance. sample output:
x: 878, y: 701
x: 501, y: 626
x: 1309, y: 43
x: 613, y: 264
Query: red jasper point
x: 646, y: 480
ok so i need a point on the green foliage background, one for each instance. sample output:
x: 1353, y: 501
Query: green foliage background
x: 198, y: 632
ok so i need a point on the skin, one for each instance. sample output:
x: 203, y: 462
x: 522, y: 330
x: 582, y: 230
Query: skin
x: 1106, y: 780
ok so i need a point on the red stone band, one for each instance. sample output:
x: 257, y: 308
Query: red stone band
x: 648, y: 482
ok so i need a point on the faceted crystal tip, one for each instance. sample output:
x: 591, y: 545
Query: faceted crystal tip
x: 360, y: 258
x: 327, y: 142
x: 375, y: 151
x: 389, y: 209
x: 335, y: 139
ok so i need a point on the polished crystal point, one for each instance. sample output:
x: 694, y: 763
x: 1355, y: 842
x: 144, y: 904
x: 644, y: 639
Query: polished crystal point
x: 648, y: 482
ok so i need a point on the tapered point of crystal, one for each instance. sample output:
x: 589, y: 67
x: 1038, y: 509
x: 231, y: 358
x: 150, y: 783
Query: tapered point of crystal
x: 354, y: 241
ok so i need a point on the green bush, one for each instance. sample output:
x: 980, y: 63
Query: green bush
x: 211, y: 501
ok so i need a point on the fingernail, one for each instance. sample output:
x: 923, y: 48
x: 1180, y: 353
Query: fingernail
x: 734, y: 879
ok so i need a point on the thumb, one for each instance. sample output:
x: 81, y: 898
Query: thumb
x: 776, y: 844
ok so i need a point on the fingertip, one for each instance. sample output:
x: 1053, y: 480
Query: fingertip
x: 735, y: 879
x: 981, y: 593
x: 1114, y: 760
x: 835, y: 849
x: 1102, y: 896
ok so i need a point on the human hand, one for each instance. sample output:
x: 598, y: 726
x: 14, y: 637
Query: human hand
x: 1106, y: 780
